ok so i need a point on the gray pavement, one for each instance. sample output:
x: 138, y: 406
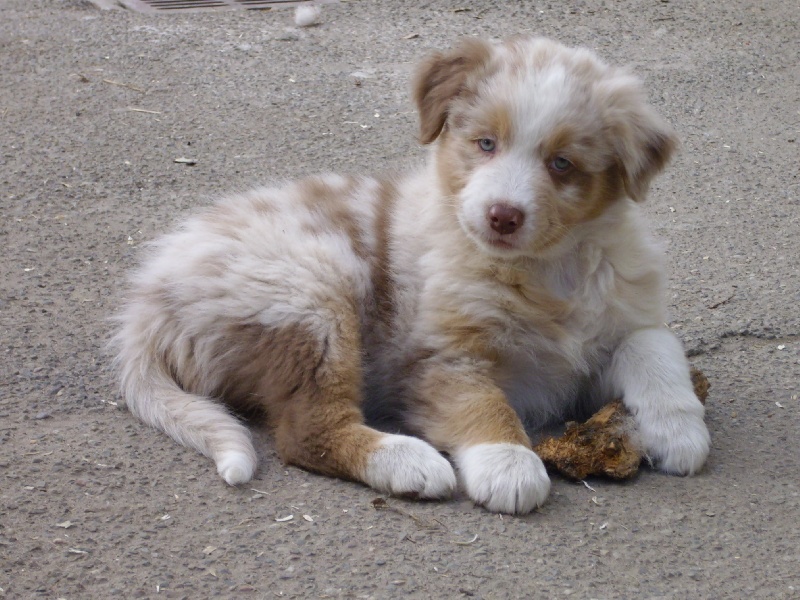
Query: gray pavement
x: 95, y: 106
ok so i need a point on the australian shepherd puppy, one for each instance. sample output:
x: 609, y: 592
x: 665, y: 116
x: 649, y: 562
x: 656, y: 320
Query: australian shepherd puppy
x: 505, y: 284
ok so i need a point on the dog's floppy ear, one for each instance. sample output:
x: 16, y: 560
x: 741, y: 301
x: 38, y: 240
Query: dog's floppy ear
x: 440, y: 78
x: 643, y: 142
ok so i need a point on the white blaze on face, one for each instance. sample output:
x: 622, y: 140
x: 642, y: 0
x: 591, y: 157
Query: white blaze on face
x: 539, y: 101
x: 512, y: 176
x: 507, y: 178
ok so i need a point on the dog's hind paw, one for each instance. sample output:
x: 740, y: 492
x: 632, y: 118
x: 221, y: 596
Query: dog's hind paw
x: 505, y: 478
x: 407, y: 466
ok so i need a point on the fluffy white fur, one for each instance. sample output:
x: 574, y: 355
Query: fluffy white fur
x: 306, y: 15
x: 311, y: 301
x: 506, y: 478
x: 648, y: 366
x: 404, y: 465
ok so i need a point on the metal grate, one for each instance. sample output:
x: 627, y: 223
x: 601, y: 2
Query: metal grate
x: 167, y: 6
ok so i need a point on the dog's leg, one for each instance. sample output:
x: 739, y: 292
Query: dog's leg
x: 461, y: 411
x: 320, y: 427
x: 649, y: 370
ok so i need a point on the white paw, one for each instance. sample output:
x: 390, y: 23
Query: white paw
x: 235, y: 466
x: 407, y: 466
x: 506, y: 478
x: 678, y: 443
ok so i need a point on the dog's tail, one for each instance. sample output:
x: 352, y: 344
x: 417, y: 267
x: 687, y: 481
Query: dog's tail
x: 152, y: 394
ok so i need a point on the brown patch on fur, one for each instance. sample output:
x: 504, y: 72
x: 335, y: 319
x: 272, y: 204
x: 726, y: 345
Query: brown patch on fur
x: 561, y: 137
x: 327, y: 201
x: 308, y: 388
x: 382, y: 281
x: 594, y: 174
x: 223, y: 221
x: 453, y: 173
x: 263, y: 206
x: 598, y: 192
x: 657, y: 148
x: 263, y: 366
x: 456, y: 159
x: 592, y: 195
x: 544, y: 313
x: 470, y: 119
x: 521, y: 58
x: 440, y: 78
x: 465, y: 336
x: 531, y: 302
x: 321, y: 427
x: 457, y: 406
x: 643, y: 142
x: 499, y: 123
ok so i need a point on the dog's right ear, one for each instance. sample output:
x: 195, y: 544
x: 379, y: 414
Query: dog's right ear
x: 643, y: 142
x: 440, y: 78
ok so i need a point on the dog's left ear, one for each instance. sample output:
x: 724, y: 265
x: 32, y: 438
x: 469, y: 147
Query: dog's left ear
x: 643, y: 142
x: 440, y: 78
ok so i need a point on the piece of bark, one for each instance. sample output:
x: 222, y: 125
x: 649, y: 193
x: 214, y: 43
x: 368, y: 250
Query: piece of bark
x: 701, y: 385
x: 606, y: 444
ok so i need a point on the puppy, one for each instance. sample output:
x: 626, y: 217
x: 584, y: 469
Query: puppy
x: 508, y: 283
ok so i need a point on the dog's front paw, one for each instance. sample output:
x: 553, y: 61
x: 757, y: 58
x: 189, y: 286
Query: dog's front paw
x: 677, y: 443
x: 505, y: 478
x: 407, y: 466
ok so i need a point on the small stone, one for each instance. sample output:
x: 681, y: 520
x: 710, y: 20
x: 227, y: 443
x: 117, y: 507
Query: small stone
x: 307, y: 15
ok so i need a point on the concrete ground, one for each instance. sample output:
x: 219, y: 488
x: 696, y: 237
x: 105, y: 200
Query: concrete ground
x: 95, y: 108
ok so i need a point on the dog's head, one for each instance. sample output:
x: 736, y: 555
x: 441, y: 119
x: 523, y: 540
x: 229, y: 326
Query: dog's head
x: 535, y: 138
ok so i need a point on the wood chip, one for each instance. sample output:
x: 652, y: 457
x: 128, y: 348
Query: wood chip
x: 142, y: 110
x: 65, y: 524
x: 603, y: 445
x: 382, y: 504
x: 468, y: 542
x: 125, y: 85
x: 284, y: 519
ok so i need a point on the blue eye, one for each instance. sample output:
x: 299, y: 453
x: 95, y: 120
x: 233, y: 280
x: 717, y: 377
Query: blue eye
x: 560, y: 164
x: 486, y: 144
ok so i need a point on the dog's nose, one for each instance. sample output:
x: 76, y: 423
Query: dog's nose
x: 504, y: 219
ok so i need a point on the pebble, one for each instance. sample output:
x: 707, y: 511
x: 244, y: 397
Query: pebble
x: 306, y: 15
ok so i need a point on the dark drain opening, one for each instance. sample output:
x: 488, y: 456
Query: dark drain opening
x: 162, y: 6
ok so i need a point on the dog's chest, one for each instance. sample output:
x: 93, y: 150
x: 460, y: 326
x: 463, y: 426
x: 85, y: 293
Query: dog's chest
x: 561, y: 329
x: 563, y: 307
